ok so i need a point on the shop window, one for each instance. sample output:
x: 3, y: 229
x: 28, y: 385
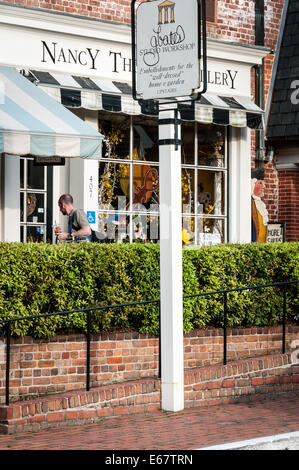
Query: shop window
x: 33, y: 196
x: 204, y: 186
x: 129, y: 188
x: 116, y: 130
x: 145, y: 146
x: 210, y: 192
x: 211, y: 145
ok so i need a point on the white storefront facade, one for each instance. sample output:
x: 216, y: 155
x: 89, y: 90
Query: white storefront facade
x: 86, y: 65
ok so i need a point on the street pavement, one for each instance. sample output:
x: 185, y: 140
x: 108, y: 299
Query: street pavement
x: 192, y: 429
x: 287, y: 441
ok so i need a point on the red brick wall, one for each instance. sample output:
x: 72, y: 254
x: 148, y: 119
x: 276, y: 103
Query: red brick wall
x: 59, y: 365
x: 235, y: 19
x: 288, y: 207
x: 271, y: 191
x: 245, y: 380
x: 241, y: 379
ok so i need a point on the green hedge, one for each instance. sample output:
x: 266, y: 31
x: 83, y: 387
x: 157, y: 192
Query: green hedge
x: 41, y: 278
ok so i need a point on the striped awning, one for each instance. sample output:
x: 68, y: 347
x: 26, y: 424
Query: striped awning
x: 31, y: 122
x: 99, y: 94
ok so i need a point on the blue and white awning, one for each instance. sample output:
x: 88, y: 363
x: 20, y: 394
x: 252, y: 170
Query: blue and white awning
x: 114, y: 96
x: 31, y: 122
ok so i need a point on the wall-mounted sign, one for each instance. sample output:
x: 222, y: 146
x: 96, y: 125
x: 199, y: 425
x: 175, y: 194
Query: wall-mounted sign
x: 275, y: 232
x: 167, y: 49
x: 91, y: 217
x: 43, y: 50
x: 58, y: 52
x: 49, y: 161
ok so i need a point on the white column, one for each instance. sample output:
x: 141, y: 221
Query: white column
x: 11, y: 199
x: 240, y: 186
x: 84, y: 179
x: 172, y: 351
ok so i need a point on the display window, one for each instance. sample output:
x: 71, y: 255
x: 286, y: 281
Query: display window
x: 33, y: 201
x: 129, y: 181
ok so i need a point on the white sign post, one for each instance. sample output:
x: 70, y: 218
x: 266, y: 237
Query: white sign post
x: 171, y: 322
x: 167, y: 66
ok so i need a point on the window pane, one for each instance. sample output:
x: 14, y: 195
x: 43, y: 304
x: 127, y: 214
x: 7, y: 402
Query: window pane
x: 145, y: 139
x: 188, y: 230
x: 145, y: 186
x: 113, y: 227
x: 114, y: 186
x: 116, y: 129
x: 187, y: 190
x: 210, y: 192
x: 35, y: 207
x: 35, y: 234
x: 145, y: 228
x: 22, y: 197
x: 35, y: 176
x: 211, y: 145
x: 210, y: 231
x: 188, y: 137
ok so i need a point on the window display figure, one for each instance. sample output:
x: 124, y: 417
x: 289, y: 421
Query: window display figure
x: 259, y: 213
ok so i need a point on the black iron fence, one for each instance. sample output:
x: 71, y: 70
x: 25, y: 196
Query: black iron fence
x: 89, y: 311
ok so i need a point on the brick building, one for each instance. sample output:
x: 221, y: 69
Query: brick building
x: 283, y: 121
x: 79, y: 53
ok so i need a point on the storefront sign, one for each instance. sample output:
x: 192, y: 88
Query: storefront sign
x: 227, y: 78
x: 63, y: 53
x: 54, y: 53
x: 275, y: 232
x: 167, y: 49
x: 49, y: 161
x: 54, y: 49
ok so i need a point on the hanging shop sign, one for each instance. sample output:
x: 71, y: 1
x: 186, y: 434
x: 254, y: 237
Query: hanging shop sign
x: 275, y: 232
x: 167, y: 49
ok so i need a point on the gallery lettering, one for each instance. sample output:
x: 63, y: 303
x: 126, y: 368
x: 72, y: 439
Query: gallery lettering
x: 226, y: 78
x: 55, y: 53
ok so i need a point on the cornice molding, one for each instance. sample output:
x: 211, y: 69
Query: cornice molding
x: 47, y: 20
x: 238, y: 52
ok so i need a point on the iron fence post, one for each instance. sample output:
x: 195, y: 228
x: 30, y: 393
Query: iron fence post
x: 225, y: 328
x: 88, y: 351
x: 8, y: 334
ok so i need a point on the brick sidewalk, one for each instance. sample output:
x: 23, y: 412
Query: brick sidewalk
x: 189, y: 429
